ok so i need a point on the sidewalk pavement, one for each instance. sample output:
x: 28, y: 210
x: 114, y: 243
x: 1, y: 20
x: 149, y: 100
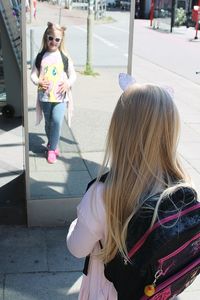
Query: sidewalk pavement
x: 34, y: 262
x: 35, y: 265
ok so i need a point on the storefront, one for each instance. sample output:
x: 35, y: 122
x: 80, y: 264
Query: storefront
x: 166, y: 14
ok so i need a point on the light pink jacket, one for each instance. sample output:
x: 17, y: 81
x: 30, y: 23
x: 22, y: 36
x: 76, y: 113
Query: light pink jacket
x: 83, y: 239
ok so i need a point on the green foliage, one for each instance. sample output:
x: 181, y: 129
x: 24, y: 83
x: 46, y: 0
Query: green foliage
x: 106, y: 19
x: 180, y: 17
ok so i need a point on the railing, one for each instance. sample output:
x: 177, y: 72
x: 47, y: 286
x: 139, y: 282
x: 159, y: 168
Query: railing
x: 99, y: 6
x: 100, y: 9
x: 79, y: 4
x: 11, y: 21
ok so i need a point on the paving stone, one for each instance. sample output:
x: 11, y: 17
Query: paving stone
x: 48, y: 184
x: 22, y: 250
x: 59, y: 258
x: 42, y: 286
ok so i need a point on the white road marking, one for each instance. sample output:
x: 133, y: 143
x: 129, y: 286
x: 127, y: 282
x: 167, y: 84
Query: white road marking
x: 116, y: 28
x: 98, y: 37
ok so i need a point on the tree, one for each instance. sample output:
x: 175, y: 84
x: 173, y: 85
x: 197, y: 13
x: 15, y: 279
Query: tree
x: 90, y: 23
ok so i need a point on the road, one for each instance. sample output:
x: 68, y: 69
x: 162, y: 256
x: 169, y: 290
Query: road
x: 177, y: 52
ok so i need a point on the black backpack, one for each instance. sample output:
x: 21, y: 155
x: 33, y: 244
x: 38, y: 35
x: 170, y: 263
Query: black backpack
x: 163, y: 259
x: 39, y: 59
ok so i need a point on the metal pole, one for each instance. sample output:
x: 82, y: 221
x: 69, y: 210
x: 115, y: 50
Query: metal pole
x: 172, y: 15
x: 60, y: 8
x: 25, y: 102
x: 31, y: 47
x: 30, y: 12
x: 131, y: 37
x: 96, y: 10
x: 67, y: 4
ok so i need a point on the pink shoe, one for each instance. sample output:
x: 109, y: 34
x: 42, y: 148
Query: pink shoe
x: 51, y: 157
x: 57, y: 152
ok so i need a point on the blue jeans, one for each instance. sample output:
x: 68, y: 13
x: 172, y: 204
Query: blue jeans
x: 53, y: 115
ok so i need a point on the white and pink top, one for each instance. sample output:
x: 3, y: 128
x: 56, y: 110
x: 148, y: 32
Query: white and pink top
x: 52, y: 69
x: 83, y: 239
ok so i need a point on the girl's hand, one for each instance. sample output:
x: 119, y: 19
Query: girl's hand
x: 44, y: 84
x: 63, y: 87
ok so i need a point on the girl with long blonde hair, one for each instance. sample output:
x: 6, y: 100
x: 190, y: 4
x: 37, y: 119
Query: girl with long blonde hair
x: 54, y: 74
x: 141, y: 154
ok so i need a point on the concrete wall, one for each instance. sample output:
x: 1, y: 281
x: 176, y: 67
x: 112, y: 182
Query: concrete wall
x: 12, y: 73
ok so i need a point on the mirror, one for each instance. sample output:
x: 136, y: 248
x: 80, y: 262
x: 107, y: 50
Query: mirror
x: 61, y: 185
x: 81, y: 146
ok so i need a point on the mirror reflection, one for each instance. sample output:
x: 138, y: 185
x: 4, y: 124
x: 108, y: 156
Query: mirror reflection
x: 80, y: 145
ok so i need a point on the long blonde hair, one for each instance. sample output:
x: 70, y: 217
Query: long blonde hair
x: 141, y: 151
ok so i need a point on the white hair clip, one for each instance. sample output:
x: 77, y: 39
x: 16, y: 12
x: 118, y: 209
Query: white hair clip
x: 169, y: 89
x: 125, y: 80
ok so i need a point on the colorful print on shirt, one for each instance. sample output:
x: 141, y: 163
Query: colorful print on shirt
x: 52, y: 70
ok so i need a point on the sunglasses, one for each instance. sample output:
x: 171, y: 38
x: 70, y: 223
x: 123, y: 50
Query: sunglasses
x: 51, y: 38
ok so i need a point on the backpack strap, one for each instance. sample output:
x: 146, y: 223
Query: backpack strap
x: 86, y: 265
x: 39, y: 59
x: 65, y: 62
x: 102, y: 179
